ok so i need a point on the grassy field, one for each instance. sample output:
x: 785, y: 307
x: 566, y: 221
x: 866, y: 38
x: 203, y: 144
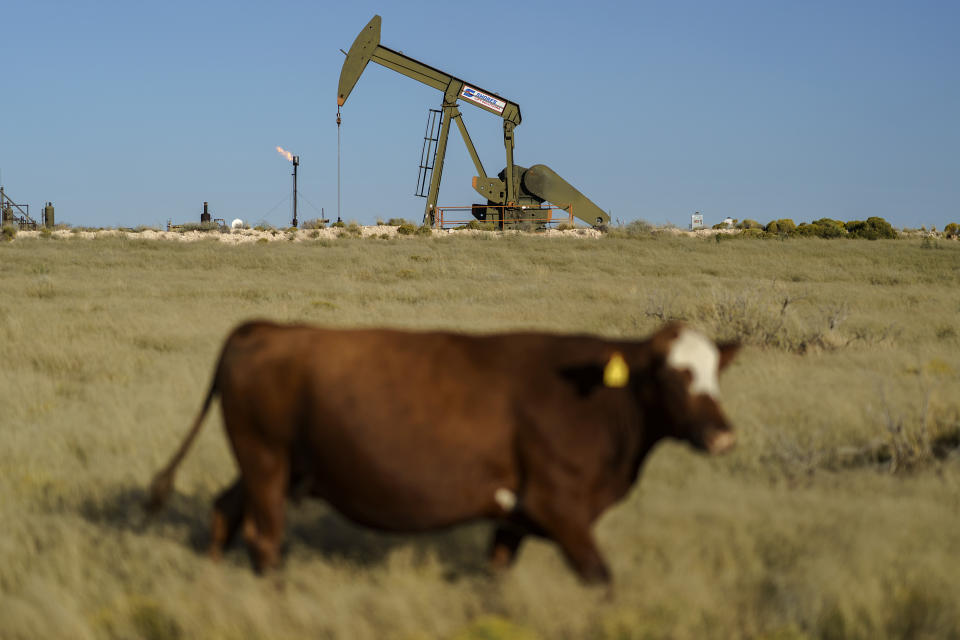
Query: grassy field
x: 837, y: 516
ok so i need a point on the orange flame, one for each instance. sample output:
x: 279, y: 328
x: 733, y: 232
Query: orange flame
x: 286, y: 154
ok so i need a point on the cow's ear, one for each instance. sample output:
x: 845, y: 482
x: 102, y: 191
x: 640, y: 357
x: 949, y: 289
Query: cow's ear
x: 614, y: 374
x: 585, y: 378
x: 727, y: 352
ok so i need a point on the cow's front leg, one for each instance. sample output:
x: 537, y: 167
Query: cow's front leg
x: 581, y: 551
x: 227, y: 514
x: 569, y: 526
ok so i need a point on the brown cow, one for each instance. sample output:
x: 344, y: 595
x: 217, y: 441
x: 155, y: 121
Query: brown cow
x: 408, y: 431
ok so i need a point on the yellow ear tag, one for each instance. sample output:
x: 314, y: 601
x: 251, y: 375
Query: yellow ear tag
x: 616, y: 373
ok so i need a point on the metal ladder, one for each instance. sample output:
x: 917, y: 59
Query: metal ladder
x: 428, y: 155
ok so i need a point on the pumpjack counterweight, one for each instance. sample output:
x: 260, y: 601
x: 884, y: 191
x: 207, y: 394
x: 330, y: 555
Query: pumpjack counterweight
x: 517, y: 193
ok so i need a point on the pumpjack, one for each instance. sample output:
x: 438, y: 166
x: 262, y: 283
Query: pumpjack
x: 516, y: 195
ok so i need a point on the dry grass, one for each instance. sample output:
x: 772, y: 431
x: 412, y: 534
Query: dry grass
x: 838, y: 516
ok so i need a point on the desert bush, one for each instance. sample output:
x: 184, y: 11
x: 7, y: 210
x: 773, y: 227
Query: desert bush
x: 424, y: 230
x: 873, y: 228
x: 396, y: 222
x: 822, y: 228
x: 763, y: 317
x: 313, y: 223
x: 637, y: 228
x: 264, y: 226
x: 749, y: 224
x: 9, y: 232
x: 353, y: 229
x: 339, y: 224
x: 406, y: 229
x: 476, y: 225
x: 752, y: 232
x: 783, y: 226
x: 952, y: 230
x: 198, y: 226
x: 565, y: 226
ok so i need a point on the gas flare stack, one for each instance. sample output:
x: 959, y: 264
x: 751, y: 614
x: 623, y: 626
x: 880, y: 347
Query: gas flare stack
x: 296, y: 163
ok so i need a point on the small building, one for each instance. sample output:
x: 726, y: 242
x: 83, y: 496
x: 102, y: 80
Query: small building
x: 728, y: 222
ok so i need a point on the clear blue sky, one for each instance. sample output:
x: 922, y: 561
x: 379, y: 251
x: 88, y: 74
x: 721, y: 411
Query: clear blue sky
x: 126, y: 113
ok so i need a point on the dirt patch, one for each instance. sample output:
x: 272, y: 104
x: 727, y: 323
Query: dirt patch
x: 245, y: 236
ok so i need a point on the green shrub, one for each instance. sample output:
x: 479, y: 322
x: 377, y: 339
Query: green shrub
x: 749, y: 224
x: 829, y: 228
x: 396, y: 222
x: 873, y: 228
x: 406, y: 229
x: 752, y: 232
x: 198, y: 226
x: 353, y: 229
x: 338, y: 224
x: 476, y: 225
x: 952, y: 230
x: 9, y: 232
x: 563, y: 226
x: 783, y: 226
x: 424, y: 230
x: 822, y: 228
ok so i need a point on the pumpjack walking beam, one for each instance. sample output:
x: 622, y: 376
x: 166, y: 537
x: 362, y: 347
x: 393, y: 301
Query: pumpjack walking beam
x: 367, y: 47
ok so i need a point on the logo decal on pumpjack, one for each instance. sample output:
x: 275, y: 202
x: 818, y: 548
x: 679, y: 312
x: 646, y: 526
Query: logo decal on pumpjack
x: 483, y: 99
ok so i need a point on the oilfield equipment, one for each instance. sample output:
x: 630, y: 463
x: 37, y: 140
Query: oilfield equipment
x: 296, y: 164
x: 516, y: 196
x: 205, y: 218
x: 12, y: 213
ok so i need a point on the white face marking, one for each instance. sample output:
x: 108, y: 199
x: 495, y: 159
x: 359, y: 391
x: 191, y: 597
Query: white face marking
x: 698, y: 354
x: 505, y: 498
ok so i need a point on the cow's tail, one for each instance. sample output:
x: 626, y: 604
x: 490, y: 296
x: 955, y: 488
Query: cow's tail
x: 162, y: 484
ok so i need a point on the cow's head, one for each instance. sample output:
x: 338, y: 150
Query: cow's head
x: 685, y: 393
x: 674, y: 379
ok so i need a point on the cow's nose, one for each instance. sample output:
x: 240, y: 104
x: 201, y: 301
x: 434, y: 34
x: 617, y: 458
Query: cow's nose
x: 722, y: 441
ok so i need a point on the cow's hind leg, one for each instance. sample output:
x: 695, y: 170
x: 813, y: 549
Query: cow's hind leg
x: 265, y: 478
x: 227, y: 514
x: 503, y: 547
